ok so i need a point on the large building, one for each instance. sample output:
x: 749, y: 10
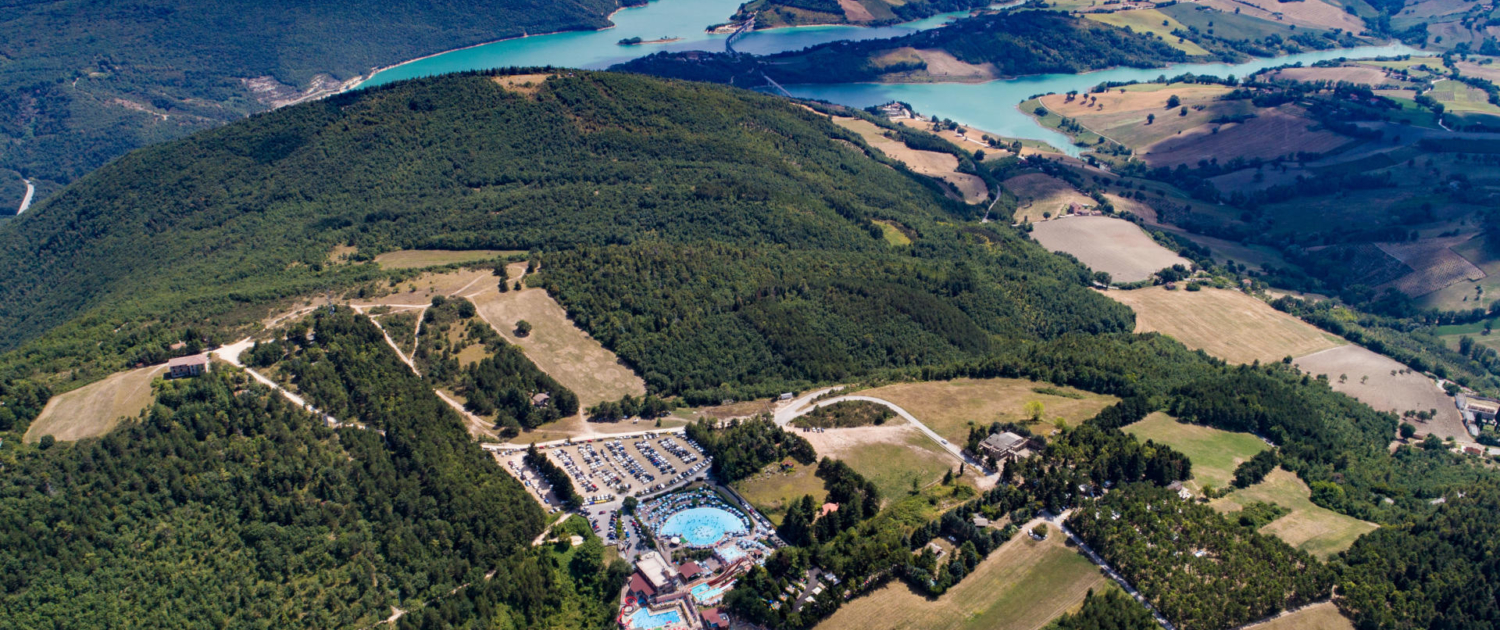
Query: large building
x: 182, y: 367
x: 1002, y: 446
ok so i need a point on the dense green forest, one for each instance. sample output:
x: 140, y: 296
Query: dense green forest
x: 85, y: 81
x: 1014, y: 43
x: 743, y: 447
x: 710, y: 237
x: 259, y: 509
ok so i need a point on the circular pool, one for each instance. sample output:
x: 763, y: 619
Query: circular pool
x: 702, y: 526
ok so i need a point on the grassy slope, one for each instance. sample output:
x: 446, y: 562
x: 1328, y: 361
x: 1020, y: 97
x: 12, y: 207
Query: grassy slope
x: 1316, y: 530
x: 1215, y: 453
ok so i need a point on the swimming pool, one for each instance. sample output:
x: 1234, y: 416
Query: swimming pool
x: 702, y: 526
x: 644, y: 620
x: 708, y: 595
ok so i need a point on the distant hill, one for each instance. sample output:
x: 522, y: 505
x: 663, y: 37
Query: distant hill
x: 977, y: 48
x: 85, y: 81
x: 708, y: 236
x: 778, y: 13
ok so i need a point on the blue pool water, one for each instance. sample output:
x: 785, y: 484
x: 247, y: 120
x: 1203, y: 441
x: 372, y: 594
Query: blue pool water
x: 644, y: 620
x: 709, y: 595
x: 702, y: 526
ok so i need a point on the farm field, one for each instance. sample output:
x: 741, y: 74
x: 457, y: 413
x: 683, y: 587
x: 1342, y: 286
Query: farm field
x: 772, y: 491
x: 1324, y: 616
x: 930, y: 163
x: 1107, y: 244
x: 1367, y: 75
x: 1272, y: 133
x: 1215, y: 453
x: 947, y: 407
x: 1460, y: 295
x: 1224, y: 323
x: 1150, y: 21
x: 1021, y: 586
x: 1121, y: 115
x: 1312, y: 13
x: 555, y: 345
x: 1316, y: 530
x: 1228, y: 19
x: 890, y: 456
x: 1435, y: 266
x: 1370, y: 381
x: 417, y: 258
x: 95, y: 409
x: 1041, y: 195
x: 1459, y: 97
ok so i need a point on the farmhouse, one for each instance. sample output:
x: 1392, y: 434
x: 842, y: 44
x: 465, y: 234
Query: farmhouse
x: 182, y: 367
x: 540, y: 399
x: 1482, y: 409
x: 1001, y: 446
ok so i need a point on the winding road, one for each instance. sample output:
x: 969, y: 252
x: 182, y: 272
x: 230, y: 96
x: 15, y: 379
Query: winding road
x: 796, y: 410
x: 26, y: 201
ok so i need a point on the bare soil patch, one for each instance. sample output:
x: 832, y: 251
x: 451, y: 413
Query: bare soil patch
x: 1041, y: 194
x: 1227, y: 324
x: 527, y: 84
x: 417, y: 258
x: 97, y: 408
x: 1369, y: 380
x: 1348, y: 74
x: 1434, y: 265
x: 930, y: 163
x: 1272, y: 133
x: 944, y: 66
x: 1115, y: 246
x: 1314, y: 13
x: 855, y: 12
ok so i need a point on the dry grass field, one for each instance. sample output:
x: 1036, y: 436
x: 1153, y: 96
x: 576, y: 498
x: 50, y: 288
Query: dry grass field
x: 1460, y: 97
x: 930, y: 163
x: 1434, y: 265
x: 1460, y: 296
x: 890, y: 456
x: 95, y: 409
x: 1215, y: 453
x: 1041, y: 195
x: 947, y: 407
x: 417, y: 258
x: 772, y: 491
x: 555, y: 345
x: 1348, y: 74
x: 1121, y: 114
x: 940, y: 66
x: 1150, y: 21
x: 1023, y: 585
x: 1369, y: 380
x: 1227, y: 324
x: 1107, y: 244
x: 1316, y: 530
x: 1311, y: 13
x: 1490, y: 72
x: 1324, y: 616
x: 1272, y: 133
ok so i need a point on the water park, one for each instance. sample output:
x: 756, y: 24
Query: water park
x: 703, y: 543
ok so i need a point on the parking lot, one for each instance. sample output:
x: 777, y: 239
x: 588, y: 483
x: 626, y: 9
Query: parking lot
x: 606, y: 470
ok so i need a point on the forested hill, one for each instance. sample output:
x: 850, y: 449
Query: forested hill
x: 84, y: 81
x: 1006, y: 44
x: 710, y: 236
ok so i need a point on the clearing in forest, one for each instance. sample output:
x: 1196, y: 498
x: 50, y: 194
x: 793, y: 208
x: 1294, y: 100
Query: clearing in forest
x: 1107, y: 244
x: 418, y: 258
x: 555, y: 345
x: 1323, y: 616
x: 97, y: 408
x: 1387, y: 385
x: 948, y: 407
x: 1434, y: 264
x: 1317, y: 530
x: 772, y: 490
x: 930, y: 163
x: 1366, y: 75
x: 891, y: 456
x: 1215, y: 453
x: 1023, y: 585
x: 1043, y: 196
x: 1228, y: 324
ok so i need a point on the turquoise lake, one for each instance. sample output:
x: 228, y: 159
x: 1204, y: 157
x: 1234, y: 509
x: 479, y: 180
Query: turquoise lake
x: 989, y: 106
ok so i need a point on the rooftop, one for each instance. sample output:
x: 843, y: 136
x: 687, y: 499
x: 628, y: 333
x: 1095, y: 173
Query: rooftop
x: 1003, y: 441
x: 195, y: 359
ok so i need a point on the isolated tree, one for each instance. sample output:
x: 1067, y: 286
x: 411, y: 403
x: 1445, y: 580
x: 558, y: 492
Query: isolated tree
x: 523, y: 328
x: 1150, y: 118
x: 1408, y: 430
x: 1173, y: 101
x: 1040, y: 531
x: 1034, y: 409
